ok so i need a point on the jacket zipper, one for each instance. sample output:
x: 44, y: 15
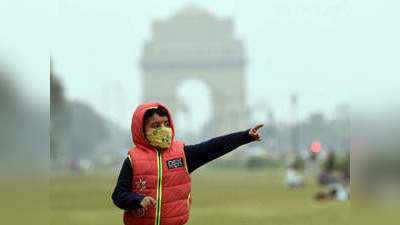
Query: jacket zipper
x: 159, y: 184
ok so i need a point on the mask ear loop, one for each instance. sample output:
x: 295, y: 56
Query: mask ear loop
x: 170, y: 124
x: 172, y: 129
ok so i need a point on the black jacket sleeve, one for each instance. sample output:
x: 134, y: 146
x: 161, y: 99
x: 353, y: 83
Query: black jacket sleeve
x: 200, y: 154
x: 122, y: 195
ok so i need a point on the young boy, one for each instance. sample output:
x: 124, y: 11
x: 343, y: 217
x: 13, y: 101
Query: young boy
x: 154, y: 184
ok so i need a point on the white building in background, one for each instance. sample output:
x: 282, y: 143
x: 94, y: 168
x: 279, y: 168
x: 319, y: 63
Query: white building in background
x: 195, y: 44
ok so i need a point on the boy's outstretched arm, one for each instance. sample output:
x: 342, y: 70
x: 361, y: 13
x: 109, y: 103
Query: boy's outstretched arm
x: 200, y: 154
x: 122, y: 195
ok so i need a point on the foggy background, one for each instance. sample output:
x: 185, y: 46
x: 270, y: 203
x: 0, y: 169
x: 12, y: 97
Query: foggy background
x: 338, y: 59
x: 290, y: 49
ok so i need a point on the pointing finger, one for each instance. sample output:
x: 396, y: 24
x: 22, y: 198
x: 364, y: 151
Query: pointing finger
x: 258, y: 127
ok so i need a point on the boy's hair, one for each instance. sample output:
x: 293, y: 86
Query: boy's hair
x: 149, y: 113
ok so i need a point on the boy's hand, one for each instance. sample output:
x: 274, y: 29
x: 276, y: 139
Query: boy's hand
x: 147, y: 201
x: 253, y: 132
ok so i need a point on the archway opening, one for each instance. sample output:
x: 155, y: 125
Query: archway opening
x: 194, y: 111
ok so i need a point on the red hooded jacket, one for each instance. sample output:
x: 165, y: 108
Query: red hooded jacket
x: 162, y: 175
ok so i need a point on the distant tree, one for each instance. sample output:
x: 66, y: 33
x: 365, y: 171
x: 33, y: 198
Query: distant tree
x: 8, y: 114
x: 330, y: 163
x: 57, y: 98
x: 57, y: 108
x: 86, y: 129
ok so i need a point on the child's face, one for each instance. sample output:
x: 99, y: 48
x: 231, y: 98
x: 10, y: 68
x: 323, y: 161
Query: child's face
x: 156, y: 121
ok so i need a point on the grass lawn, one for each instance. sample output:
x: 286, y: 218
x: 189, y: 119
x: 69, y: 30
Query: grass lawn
x: 218, y: 197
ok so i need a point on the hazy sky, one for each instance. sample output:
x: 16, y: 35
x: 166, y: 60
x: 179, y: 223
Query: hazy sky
x: 329, y: 52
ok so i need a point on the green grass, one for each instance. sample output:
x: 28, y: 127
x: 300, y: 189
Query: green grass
x: 218, y: 197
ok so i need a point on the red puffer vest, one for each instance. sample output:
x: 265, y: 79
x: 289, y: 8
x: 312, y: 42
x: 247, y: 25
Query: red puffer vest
x: 162, y: 175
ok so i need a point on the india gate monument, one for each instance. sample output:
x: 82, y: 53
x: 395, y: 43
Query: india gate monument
x: 195, y: 44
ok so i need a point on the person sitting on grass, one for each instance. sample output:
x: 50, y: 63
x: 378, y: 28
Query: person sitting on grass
x: 154, y: 185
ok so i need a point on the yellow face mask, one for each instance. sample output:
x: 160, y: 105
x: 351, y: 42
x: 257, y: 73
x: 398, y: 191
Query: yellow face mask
x: 160, y: 137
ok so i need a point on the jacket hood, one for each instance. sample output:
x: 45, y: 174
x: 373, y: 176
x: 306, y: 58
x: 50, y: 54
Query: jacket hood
x: 137, y: 124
